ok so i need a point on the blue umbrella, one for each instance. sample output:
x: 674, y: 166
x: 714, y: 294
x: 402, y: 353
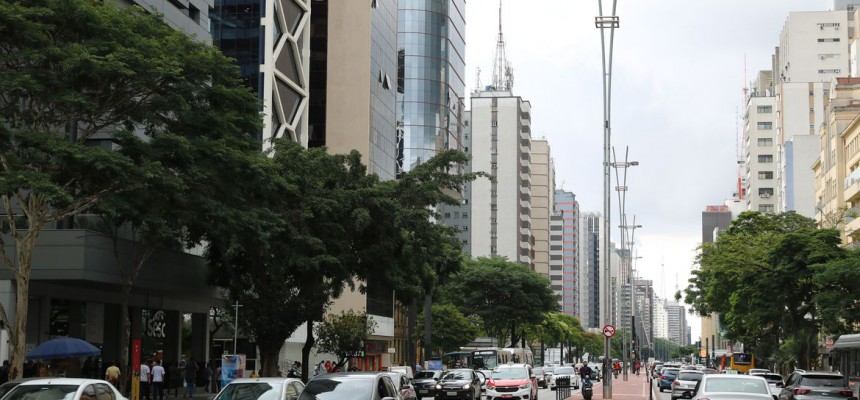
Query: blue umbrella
x: 63, y: 347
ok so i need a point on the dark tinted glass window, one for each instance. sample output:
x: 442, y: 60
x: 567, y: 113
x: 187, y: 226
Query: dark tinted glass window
x: 338, y: 389
x: 822, y: 380
x: 687, y: 376
x: 46, y: 392
x: 249, y: 391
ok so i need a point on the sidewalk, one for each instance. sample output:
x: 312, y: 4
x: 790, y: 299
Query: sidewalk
x: 636, y: 388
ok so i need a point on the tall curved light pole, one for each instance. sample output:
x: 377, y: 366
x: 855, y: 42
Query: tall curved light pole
x: 604, y: 22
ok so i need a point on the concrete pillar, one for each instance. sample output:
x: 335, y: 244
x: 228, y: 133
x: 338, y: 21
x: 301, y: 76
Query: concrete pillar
x: 199, y: 337
x: 111, y: 346
x: 173, y: 333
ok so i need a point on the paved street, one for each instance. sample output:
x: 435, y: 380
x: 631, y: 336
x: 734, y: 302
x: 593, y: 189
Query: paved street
x: 635, y: 388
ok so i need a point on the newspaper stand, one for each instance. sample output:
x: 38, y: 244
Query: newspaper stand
x: 563, y: 386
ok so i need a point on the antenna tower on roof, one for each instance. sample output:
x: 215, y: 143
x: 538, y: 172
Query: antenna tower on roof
x: 503, y: 73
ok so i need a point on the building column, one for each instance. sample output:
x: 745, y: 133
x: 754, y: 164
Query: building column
x: 199, y: 337
x: 173, y: 336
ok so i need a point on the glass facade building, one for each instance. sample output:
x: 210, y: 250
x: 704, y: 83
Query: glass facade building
x: 431, y: 78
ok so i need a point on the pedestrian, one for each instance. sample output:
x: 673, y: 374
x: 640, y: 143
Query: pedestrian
x: 328, y: 367
x: 145, y: 374
x: 218, y: 377
x: 112, y: 374
x: 207, y: 377
x: 4, y: 372
x: 158, y: 381
x: 175, y: 379
x: 190, y: 377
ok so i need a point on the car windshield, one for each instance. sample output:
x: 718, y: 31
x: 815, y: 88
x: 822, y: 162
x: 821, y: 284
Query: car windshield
x: 425, y: 375
x: 510, y: 373
x: 689, y: 376
x: 741, y: 385
x: 43, y: 392
x: 249, y: 391
x: 457, y: 375
x: 822, y: 380
x: 338, y: 388
x: 564, y: 371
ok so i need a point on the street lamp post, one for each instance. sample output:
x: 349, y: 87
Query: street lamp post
x: 236, y: 326
x: 603, y: 23
x: 621, y: 188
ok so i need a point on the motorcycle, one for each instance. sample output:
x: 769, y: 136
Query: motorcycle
x: 587, y: 390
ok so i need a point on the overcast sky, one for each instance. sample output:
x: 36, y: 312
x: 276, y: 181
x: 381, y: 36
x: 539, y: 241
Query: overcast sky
x: 677, y: 96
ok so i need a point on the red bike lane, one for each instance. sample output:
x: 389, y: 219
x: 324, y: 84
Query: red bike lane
x: 635, y: 388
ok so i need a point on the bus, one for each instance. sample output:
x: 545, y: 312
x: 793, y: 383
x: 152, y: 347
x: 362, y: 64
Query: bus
x: 845, y: 356
x: 741, y: 362
x: 491, y: 357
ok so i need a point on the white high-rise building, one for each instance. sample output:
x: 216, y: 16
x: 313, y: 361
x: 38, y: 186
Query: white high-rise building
x: 661, y: 319
x: 760, y: 146
x: 813, y: 49
x: 501, y: 142
x: 542, y: 171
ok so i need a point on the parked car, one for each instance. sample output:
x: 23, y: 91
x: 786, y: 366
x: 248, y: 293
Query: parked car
x: 667, y: 376
x: 730, y: 387
x: 459, y: 384
x: 563, y: 372
x: 512, y: 381
x: 64, y: 389
x: 540, y: 375
x: 407, y: 370
x: 807, y: 385
x: 425, y: 383
x: 403, y: 385
x: 351, y: 386
x: 6, y: 387
x: 686, y: 381
x: 261, y: 389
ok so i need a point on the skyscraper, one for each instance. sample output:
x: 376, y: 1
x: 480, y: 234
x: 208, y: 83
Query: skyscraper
x: 542, y: 171
x: 760, y: 145
x: 430, y: 79
x: 590, y: 236
x: 567, y: 211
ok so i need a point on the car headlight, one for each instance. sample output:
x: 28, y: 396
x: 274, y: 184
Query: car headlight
x: 438, y: 387
x: 467, y: 386
x: 525, y: 386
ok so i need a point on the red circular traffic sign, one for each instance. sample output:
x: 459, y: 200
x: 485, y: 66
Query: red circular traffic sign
x: 609, y: 331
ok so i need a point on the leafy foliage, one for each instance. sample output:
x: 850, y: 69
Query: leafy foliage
x: 344, y: 334
x: 451, y: 329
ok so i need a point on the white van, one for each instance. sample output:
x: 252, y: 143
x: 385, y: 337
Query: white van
x: 406, y: 370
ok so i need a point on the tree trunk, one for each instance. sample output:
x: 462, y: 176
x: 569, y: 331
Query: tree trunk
x: 513, y: 335
x: 125, y: 336
x: 269, y: 358
x: 428, y: 327
x: 306, y: 351
x: 410, y: 333
x: 18, y: 333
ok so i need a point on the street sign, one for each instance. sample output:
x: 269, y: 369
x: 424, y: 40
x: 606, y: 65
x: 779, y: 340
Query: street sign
x: 609, y: 331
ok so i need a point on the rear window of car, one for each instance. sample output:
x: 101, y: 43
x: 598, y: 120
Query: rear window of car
x: 771, y: 377
x: 338, y: 389
x: 731, y: 385
x: 42, y: 392
x: 822, y: 380
x: 670, y: 371
x: 250, y: 391
x: 538, y: 371
x: 564, y: 371
x: 687, y: 376
x: 426, y: 375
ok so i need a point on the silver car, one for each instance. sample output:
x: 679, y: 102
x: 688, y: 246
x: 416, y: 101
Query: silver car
x: 686, y: 381
x: 730, y: 387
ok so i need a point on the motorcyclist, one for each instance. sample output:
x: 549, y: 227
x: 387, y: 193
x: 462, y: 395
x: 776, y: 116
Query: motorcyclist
x: 585, y: 375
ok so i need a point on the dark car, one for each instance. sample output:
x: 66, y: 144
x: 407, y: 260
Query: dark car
x: 459, y: 384
x: 808, y: 385
x: 540, y: 373
x: 425, y: 383
x: 667, y: 376
x: 351, y: 386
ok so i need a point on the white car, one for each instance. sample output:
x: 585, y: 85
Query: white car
x: 563, y: 372
x: 261, y: 389
x: 65, y: 389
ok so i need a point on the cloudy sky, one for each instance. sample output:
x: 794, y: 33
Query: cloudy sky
x: 677, y: 96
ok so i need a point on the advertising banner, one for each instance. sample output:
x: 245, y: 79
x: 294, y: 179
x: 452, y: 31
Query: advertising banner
x: 232, y: 367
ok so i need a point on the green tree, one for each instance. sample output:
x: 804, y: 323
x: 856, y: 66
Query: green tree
x: 516, y: 297
x: 837, y: 296
x: 451, y: 329
x: 344, y: 334
x: 74, y: 69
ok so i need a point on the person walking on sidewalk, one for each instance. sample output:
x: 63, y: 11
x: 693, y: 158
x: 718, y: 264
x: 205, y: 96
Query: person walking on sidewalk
x: 144, y: 380
x: 190, y: 377
x: 158, y: 374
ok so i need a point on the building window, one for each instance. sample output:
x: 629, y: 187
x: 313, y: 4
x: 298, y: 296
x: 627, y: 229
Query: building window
x: 447, y: 215
x: 764, y: 126
x: 765, y: 192
x: 828, y: 40
x: 765, y: 142
x: 764, y: 109
x: 768, y: 208
x: 765, y: 175
x: 765, y: 158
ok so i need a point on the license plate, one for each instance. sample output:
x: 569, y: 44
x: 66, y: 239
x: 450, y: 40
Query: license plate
x: 452, y: 393
x: 423, y: 391
x: 507, y: 396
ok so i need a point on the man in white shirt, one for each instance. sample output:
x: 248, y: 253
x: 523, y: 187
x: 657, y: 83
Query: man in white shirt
x: 144, y: 380
x: 158, y: 381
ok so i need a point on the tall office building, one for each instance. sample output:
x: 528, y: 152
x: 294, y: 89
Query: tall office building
x: 542, y: 202
x: 566, y: 251
x: 430, y: 80
x: 644, y: 314
x: 459, y: 216
x: 677, y: 323
x: 590, y: 238
x: 556, y: 256
x: 760, y: 146
x: 270, y: 41
x: 661, y: 319
x: 813, y: 50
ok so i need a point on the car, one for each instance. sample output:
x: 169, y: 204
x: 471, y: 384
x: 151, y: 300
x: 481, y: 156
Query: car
x: 547, y: 373
x: 755, y: 371
x: 6, y: 387
x: 597, y: 375
x: 261, y: 389
x: 403, y: 385
x: 64, y: 389
x: 540, y: 374
x: 405, y: 369
x: 730, y: 387
x: 655, y: 371
x: 351, y: 386
x: 806, y: 385
x: 563, y: 372
x: 461, y: 383
x: 774, y: 381
x: 512, y: 382
x: 709, y: 371
x: 425, y: 383
x: 685, y: 381
x: 667, y: 376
